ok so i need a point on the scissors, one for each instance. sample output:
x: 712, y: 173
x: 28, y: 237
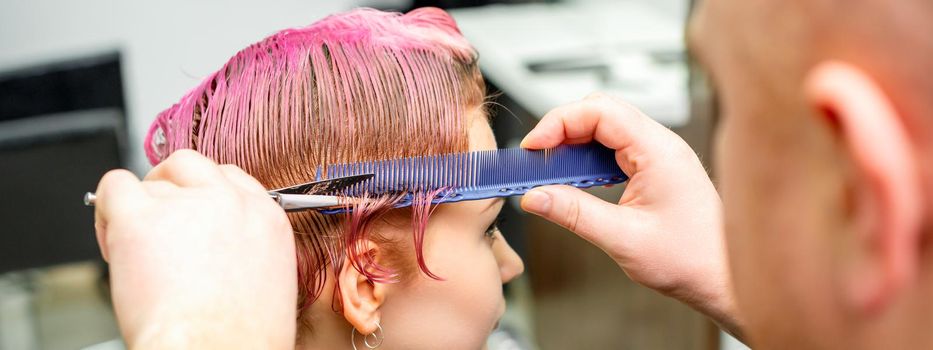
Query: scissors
x: 310, y: 195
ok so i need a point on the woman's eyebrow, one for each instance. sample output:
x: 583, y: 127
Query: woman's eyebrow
x: 493, y: 204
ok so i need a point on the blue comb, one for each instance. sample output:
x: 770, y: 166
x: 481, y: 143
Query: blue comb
x: 482, y: 174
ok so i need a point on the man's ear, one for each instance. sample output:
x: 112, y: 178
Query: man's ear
x: 361, y: 297
x: 886, y: 193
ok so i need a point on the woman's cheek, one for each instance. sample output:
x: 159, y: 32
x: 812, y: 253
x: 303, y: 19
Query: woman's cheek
x: 489, y: 284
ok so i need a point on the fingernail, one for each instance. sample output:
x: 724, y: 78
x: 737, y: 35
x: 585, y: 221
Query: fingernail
x: 524, y: 141
x: 536, y: 202
x: 528, y: 137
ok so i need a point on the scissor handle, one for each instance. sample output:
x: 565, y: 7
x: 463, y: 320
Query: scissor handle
x: 89, y: 199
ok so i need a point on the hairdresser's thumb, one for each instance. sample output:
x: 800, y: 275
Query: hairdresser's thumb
x: 580, y: 212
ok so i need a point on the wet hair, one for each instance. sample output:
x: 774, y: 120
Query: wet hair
x: 356, y: 86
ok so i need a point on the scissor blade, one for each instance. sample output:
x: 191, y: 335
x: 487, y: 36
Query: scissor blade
x: 324, y: 187
x: 301, y: 202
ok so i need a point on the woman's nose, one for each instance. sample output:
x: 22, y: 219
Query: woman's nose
x: 510, y: 264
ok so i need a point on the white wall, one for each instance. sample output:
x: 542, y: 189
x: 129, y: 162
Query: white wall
x: 167, y: 46
x: 676, y: 7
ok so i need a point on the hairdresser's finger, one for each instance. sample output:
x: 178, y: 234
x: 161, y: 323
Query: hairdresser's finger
x: 159, y: 188
x: 592, y: 218
x: 187, y: 168
x: 638, y: 139
x: 119, y: 193
x: 240, y: 178
x: 582, y: 121
x: 599, y: 117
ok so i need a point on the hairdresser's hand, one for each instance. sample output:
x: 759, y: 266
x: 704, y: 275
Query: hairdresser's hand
x: 666, y: 231
x: 199, y: 256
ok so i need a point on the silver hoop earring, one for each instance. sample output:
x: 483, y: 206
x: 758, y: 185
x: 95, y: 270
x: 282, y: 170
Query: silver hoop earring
x: 377, y: 337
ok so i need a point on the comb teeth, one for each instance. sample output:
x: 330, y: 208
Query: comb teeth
x: 484, y: 174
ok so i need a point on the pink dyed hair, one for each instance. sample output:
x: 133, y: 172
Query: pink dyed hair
x: 356, y: 86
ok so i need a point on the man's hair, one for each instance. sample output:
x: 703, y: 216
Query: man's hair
x: 355, y: 86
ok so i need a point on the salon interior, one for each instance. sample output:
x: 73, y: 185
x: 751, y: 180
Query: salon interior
x: 80, y: 81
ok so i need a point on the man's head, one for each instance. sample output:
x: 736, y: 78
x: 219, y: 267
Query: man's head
x: 826, y: 165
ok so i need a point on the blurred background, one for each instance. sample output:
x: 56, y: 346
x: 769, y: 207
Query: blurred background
x: 80, y: 82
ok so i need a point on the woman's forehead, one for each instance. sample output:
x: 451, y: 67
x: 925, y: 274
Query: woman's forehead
x: 481, y: 136
x: 471, y: 209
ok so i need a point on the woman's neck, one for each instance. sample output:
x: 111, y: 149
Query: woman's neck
x: 328, y: 332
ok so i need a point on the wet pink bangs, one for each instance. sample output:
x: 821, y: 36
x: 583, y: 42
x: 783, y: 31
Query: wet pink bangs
x: 340, y: 51
x: 356, y: 86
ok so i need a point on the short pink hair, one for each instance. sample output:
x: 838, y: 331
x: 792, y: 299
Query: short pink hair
x: 355, y: 86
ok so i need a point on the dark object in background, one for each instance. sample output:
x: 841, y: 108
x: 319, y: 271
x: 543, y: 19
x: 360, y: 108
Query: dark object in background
x: 447, y: 4
x: 62, y: 127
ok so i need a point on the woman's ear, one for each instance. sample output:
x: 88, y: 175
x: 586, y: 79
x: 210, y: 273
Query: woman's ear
x: 886, y: 191
x: 361, y: 297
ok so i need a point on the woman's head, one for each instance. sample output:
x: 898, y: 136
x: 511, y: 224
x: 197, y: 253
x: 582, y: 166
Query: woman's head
x: 358, y: 86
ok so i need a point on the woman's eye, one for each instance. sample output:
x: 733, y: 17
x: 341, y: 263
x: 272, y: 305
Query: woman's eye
x: 491, y: 231
x: 493, y: 228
